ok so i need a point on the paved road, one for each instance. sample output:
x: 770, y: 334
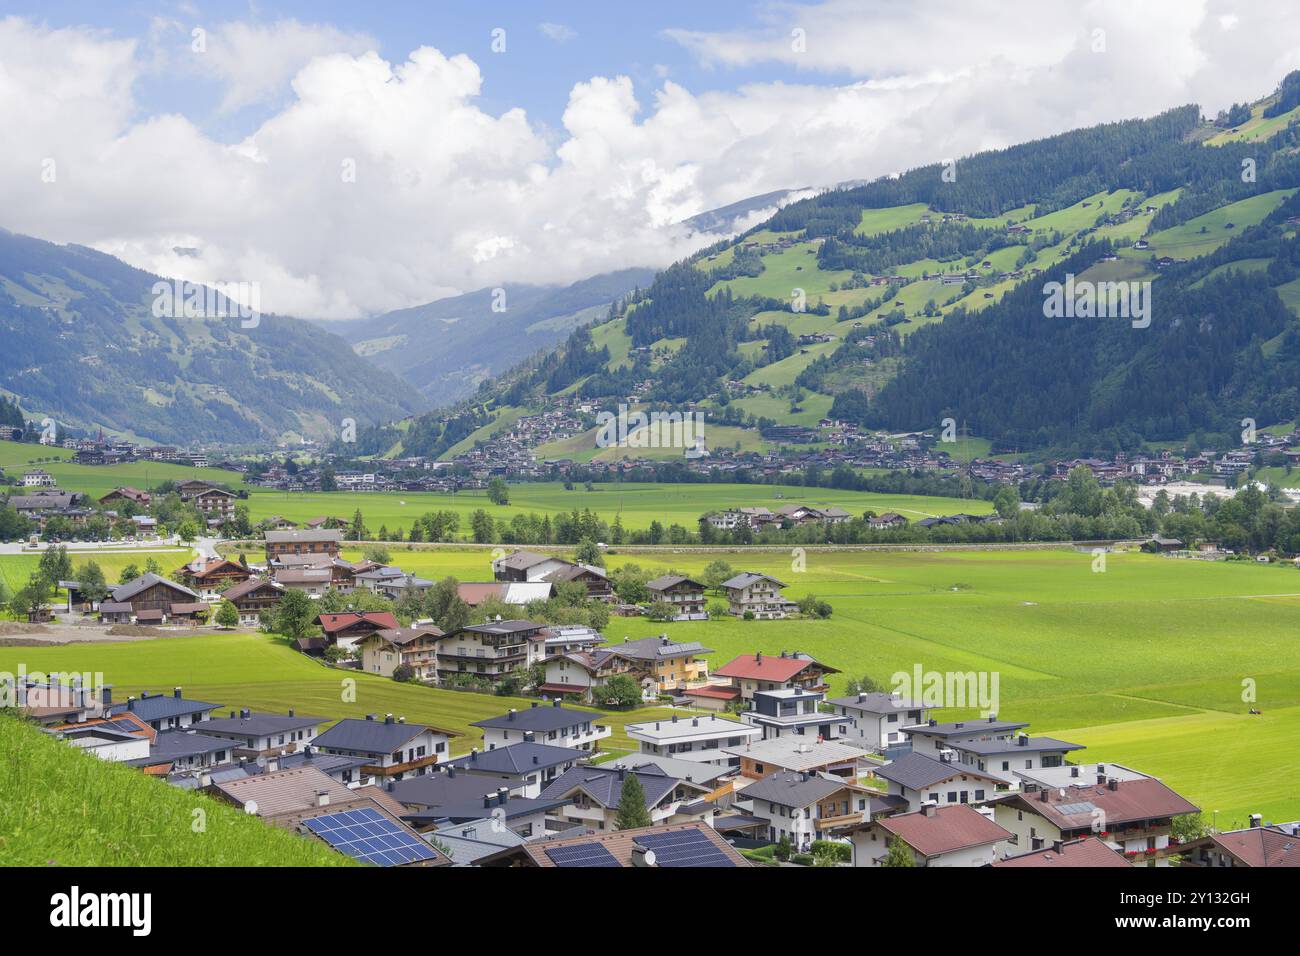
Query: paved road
x: 93, y: 547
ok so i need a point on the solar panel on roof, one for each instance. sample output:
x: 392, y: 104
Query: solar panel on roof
x: 1070, y: 809
x: 582, y: 854
x: 370, y: 837
x: 684, y: 848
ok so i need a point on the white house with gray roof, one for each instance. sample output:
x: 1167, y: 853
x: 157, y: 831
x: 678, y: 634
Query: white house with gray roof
x: 919, y: 779
x: 256, y: 734
x: 395, y: 748
x: 876, y: 721
x: 551, y: 724
x: 700, y: 739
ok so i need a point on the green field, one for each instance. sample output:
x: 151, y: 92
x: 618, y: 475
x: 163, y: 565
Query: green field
x: 17, y: 457
x: 1137, y: 662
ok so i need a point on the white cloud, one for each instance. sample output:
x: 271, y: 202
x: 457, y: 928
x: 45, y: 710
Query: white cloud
x: 449, y: 197
x: 557, y: 32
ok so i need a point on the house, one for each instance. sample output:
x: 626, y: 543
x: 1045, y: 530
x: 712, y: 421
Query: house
x: 115, y: 739
x: 556, y: 724
x: 470, y: 841
x: 876, y: 720
x: 38, y: 478
x: 344, y: 769
x: 254, y: 597
x: 887, y: 521
x: 490, y: 651
x: 313, y: 582
x: 1256, y: 846
x: 717, y: 697
x: 936, y: 836
x: 148, y: 593
x: 525, y: 768
x: 174, y: 751
x: 758, y: 758
x: 260, y: 734
x: 700, y: 739
x: 318, y: 541
x: 759, y: 672
x: 445, y: 796
x: 527, y: 566
x: 684, y: 595
x: 165, y: 713
x: 933, y: 738
x: 208, y: 578
x: 709, y: 780
x: 382, y: 652
x: 1131, y: 816
x: 211, y: 501
x: 364, y: 824
x: 659, y: 665
x: 474, y: 593
x: 124, y: 495
x: 591, y: 577
x: 396, y: 749
x: 803, y: 807
x: 390, y: 582
x: 348, y: 628
x: 686, y: 844
x: 756, y: 595
x: 792, y: 711
x: 919, y: 779
x: 1005, y: 758
x: 1086, y: 851
x: 591, y: 794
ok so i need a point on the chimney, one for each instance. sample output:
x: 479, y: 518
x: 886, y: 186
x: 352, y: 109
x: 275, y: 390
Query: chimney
x: 758, y: 657
x: 245, y: 713
x: 451, y: 771
x: 929, y: 809
x: 511, y: 715
x: 322, y: 798
x: 535, y: 759
x: 993, y: 718
x: 272, y: 764
x: 176, y: 693
x: 1074, y: 771
x: 532, y: 705
x: 308, y: 751
x: 959, y: 725
x: 1101, y: 780
x: 1113, y: 783
x: 233, y: 715
x: 674, y: 718
x: 290, y: 711
x: 371, y: 716
x: 642, y: 856
x: 1044, y: 794
x: 205, y: 781
x: 1256, y: 820
x: 503, y: 794
x: 106, y: 695
x: 862, y: 698
x: 401, y: 720
x: 487, y: 801
x: 556, y: 702
x: 1101, y: 768
x: 473, y: 754
x: 130, y: 703
x: 1057, y: 845
x: 622, y: 772
x: 1023, y: 740
x: 388, y: 718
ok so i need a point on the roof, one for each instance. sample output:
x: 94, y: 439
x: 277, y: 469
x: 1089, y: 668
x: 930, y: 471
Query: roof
x: 943, y: 829
x: 332, y: 623
x: 286, y: 791
x: 260, y: 724
x: 1131, y: 801
x: 745, y: 578
x: 471, y: 840
x: 714, y: 691
x: 657, y: 648
x: 1022, y: 744
x: 664, y: 582
x: 792, y: 789
x: 400, y: 636
x: 180, y: 743
x: 917, y: 771
x: 786, y: 753
x: 518, y: 759
x: 704, y: 725
x: 875, y: 703
x: 1089, y: 851
x: 300, y: 575
x: 682, y: 844
x: 964, y: 728
x: 760, y: 666
x: 604, y: 785
x: 291, y: 537
x: 538, y: 718
x: 124, y: 592
x: 523, y: 560
x: 505, y: 628
x: 373, y: 736
x: 245, y: 588
x: 691, y: 771
x: 447, y: 795
x: 149, y: 707
x: 1260, y: 846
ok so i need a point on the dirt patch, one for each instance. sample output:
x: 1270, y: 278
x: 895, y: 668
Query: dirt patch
x: 20, y: 634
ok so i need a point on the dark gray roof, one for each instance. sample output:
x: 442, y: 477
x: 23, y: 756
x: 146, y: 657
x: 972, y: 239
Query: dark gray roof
x: 605, y: 784
x: 876, y: 703
x: 182, y: 743
x: 692, y: 771
x: 289, y: 537
x: 149, y: 707
x: 447, y: 795
x: 962, y: 728
x: 539, y: 719
x: 518, y: 758
x: 917, y: 771
x: 372, y: 736
x: 666, y: 581
x: 260, y: 725
x: 1014, y: 745
x: 745, y: 578
x: 124, y: 592
x: 657, y: 648
x: 788, y: 789
x: 326, y: 763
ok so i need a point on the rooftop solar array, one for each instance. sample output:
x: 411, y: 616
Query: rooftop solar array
x: 583, y: 854
x: 684, y: 848
x: 1070, y: 809
x: 370, y: 837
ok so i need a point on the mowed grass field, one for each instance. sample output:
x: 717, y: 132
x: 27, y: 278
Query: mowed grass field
x: 1145, y: 663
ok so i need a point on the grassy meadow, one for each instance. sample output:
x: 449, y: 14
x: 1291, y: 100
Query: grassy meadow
x: 1144, y: 662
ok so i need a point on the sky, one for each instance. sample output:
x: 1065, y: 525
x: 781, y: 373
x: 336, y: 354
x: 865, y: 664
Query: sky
x: 353, y: 158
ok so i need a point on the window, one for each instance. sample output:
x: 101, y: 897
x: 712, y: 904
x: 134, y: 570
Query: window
x: 952, y: 796
x: 979, y: 795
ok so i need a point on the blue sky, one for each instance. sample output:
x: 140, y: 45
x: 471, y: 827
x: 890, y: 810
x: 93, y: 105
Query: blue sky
x: 536, y: 71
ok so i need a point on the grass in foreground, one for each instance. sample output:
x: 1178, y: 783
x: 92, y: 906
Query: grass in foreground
x: 62, y: 807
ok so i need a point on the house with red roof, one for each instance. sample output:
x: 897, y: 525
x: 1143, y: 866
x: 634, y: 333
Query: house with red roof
x: 760, y: 672
x: 1258, y: 845
x: 348, y: 628
x: 1088, y: 851
x: 953, y: 835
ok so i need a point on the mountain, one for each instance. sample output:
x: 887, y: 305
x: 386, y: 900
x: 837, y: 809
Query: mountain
x: 446, y: 348
x: 907, y: 300
x: 79, y: 342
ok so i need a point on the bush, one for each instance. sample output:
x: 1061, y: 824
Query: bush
x: 783, y: 849
x: 828, y: 851
x: 803, y: 859
x: 404, y: 673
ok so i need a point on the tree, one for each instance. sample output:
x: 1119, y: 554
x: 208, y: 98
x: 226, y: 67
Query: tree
x: 377, y: 553
x: 632, y: 810
x: 91, y: 578
x: 783, y: 848
x: 900, y: 854
x: 866, y: 684
x: 152, y: 567
x: 482, y: 526
x: 227, y: 615
x: 357, y: 529
x: 294, y: 615
x: 1188, y: 827
x: 187, y: 531
x: 1006, y: 502
x: 55, y: 566
x: 622, y: 690
x: 661, y: 611
x: 715, y: 572
x: 498, y: 491
x: 588, y: 553
x: 129, y: 574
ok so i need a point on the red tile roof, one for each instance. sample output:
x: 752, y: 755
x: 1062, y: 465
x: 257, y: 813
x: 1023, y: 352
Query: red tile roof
x: 1260, y: 846
x: 762, y: 667
x: 1086, y: 852
x: 1132, y: 801
x: 947, y: 829
x: 330, y: 623
x: 719, y: 693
